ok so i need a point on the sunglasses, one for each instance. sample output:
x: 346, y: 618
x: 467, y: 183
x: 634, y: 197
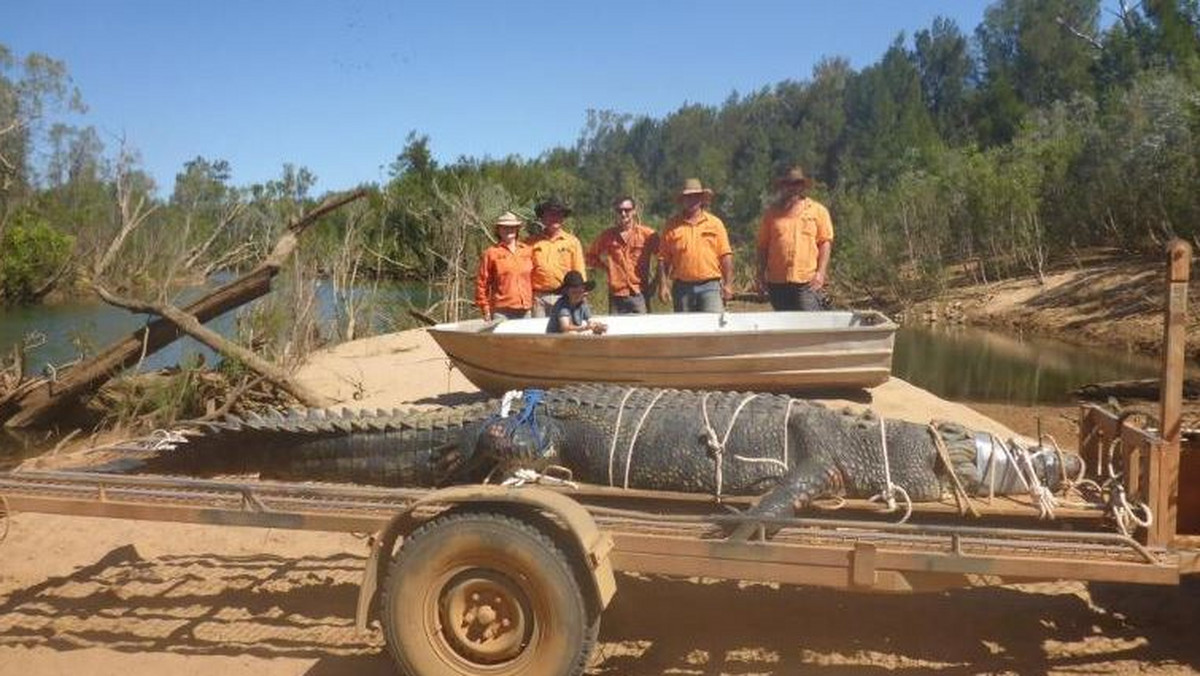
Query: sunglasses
x: 623, y: 210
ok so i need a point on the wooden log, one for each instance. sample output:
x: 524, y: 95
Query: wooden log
x: 194, y: 328
x: 35, y: 405
x: 1146, y: 388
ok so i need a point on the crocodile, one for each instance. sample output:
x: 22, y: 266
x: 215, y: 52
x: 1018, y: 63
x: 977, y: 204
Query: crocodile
x: 791, y: 451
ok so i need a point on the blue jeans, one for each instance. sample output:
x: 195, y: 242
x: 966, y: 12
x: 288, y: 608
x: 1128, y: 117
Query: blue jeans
x: 633, y: 304
x: 509, y: 312
x: 697, y: 296
x: 791, y: 296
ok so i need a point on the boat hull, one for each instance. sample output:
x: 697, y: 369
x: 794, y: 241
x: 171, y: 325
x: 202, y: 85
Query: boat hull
x: 760, y: 351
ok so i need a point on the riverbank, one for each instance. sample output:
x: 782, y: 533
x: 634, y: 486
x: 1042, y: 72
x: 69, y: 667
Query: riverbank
x: 1105, y: 299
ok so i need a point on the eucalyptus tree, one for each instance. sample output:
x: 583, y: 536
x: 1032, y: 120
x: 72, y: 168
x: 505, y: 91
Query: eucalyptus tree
x: 946, y: 69
x: 31, y: 88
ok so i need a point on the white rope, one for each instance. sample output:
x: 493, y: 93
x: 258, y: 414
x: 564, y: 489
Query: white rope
x: 523, y: 476
x: 507, y: 402
x: 158, y: 440
x: 890, y: 490
x: 166, y: 439
x: 767, y: 461
x: 612, y: 448
x: 636, y: 431
x: 787, y: 412
x: 1124, y: 513
x: 718, y: 447
x: 1072, y: 493
x: 1021, y: 460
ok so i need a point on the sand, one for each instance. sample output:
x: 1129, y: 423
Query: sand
x: 96, y: 596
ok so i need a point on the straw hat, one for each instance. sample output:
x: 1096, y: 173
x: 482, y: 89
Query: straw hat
x: 794, y: 176
x: 692, y: 186
x: 508, y: 220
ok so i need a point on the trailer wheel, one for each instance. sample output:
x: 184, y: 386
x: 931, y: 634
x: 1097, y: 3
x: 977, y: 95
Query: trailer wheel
x: 483, y: 593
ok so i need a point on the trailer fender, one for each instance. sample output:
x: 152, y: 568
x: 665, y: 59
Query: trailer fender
x: 588, y: 545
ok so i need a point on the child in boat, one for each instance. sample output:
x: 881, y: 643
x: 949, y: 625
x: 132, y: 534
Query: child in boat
x: 572, y: 314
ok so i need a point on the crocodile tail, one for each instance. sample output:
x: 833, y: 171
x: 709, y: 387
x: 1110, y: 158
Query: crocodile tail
x: 397, y: 448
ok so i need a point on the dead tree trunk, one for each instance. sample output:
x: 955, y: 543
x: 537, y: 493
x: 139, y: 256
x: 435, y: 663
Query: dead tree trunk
x: 192, y: 326
x: 30, y: 406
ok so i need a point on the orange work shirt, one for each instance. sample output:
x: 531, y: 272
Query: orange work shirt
x: 553, y: 256
x: 625, y: 257
x: 504, y: 278
x: 693, y: 249
x: 789, y: 239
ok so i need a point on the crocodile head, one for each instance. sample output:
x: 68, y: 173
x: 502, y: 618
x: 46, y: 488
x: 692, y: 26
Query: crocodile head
x: 506, y: 444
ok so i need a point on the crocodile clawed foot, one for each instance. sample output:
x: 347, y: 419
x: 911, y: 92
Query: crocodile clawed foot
x: 784, y: 501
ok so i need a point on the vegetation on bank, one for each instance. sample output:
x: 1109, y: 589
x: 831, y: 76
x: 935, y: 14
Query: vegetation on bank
x: 1000, y: 150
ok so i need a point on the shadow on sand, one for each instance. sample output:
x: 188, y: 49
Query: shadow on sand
x: 272, y: 606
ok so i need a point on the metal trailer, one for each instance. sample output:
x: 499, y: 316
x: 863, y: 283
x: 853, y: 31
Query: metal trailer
x: 493, y: 580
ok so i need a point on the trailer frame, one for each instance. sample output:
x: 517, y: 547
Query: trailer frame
x: 601, y: 530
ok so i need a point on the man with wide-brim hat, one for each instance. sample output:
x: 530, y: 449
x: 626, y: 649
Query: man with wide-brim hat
x: 695, y: 254
x: 503, y: 285
x: 795, y: 241
x: 555, y: 252
x: 571, y: 313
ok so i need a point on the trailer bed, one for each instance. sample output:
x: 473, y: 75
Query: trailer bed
x: 661, y: 533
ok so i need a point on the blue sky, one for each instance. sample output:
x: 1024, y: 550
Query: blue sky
x: 336, y: 86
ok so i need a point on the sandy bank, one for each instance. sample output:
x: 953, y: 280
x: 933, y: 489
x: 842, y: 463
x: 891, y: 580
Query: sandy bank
x: 94, y: 596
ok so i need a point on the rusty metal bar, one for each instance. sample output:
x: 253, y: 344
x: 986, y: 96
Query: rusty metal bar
x: 836, y: 566
x: 832, y: 552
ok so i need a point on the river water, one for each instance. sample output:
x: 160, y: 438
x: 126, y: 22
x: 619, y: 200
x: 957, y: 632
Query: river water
x: 963, y: 364
x: 969, y: 364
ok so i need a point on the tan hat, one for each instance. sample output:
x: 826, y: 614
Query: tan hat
x: 692, y: 186
x: 793, y: 176
x: 508, y: 220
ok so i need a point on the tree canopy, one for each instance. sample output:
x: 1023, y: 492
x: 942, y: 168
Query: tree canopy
x: 998, y: 149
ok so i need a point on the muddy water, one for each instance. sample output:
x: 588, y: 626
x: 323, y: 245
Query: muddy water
x: 975, y: 365
x: 60, y: 334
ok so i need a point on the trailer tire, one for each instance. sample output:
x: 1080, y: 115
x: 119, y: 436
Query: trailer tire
x: 482, y: 593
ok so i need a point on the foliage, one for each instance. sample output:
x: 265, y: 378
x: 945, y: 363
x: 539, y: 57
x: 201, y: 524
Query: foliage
x: 31, y: 254
x: 993, y: 151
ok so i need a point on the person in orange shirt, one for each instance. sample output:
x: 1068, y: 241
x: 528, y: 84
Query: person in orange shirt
x: 624, y: 252
x: 555, y: 251
x: 503, y: 284
x: 795, y: 239
x: 695, y: 254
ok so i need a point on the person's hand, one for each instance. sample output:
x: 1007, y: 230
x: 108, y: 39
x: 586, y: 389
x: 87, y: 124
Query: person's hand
x: 817, y: 282
x: 663, y: 295
x: 726, y: 291
x: 598, y: 328
x: 487, y: 316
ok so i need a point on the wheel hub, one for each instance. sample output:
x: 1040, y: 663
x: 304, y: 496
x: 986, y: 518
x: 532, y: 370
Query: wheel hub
x: 485, y: 617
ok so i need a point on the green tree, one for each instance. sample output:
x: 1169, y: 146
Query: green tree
x: 946, y: 68
x: 30, y: 88
x: 32, y: 255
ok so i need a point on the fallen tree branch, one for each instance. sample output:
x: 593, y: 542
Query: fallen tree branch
x: 192, y: 326
x: 244, y: 387
x: 33, y: 404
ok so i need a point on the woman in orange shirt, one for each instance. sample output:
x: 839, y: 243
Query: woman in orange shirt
x: 504, y: 285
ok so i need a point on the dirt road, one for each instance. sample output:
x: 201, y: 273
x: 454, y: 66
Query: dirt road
x: 127, y: 598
